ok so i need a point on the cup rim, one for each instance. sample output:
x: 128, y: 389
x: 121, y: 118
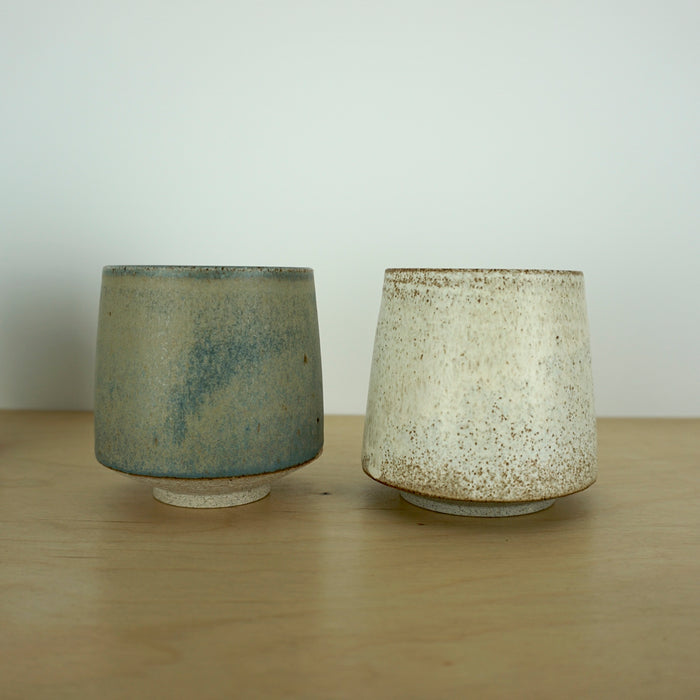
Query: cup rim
x: 203, y: 271
x: 481, y: 270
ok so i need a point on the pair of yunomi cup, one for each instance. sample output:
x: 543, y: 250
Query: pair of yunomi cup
x: 208, y: 385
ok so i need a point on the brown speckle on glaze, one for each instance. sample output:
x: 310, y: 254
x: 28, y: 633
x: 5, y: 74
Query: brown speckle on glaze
x: 481, y: 387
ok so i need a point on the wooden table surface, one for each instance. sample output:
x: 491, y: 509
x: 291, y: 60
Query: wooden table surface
x: 334, y: 587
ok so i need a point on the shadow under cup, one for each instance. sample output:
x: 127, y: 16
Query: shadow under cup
x: 481, y: 391
x: 208, y: 379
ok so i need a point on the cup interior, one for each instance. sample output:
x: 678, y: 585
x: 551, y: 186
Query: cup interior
x: 205, y: 271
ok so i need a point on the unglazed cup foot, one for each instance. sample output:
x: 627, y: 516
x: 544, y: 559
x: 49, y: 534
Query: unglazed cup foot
x: 198, y: 498
x: 212, y: 493
x: 496, y: 509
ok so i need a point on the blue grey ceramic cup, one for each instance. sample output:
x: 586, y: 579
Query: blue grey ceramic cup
x: 208, y: 379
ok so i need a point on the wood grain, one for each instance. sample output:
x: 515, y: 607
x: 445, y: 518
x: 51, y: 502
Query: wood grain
x: 333, y: 587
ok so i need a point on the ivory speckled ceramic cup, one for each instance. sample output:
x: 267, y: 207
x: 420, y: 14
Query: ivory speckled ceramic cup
x: 208, y: 379
x: 481, y: 393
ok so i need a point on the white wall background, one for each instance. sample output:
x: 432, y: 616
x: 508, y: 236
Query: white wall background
x: 350, y: 137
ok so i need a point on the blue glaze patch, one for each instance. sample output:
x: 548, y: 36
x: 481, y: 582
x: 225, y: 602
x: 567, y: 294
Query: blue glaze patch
x: 211, y: 365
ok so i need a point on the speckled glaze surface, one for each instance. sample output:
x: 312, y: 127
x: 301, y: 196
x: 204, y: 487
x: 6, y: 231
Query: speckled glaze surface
x: 481, y: 389
x: 207, y: 373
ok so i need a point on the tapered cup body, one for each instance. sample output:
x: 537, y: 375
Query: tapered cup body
x: 481, y: 389
x: 207, y: 372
